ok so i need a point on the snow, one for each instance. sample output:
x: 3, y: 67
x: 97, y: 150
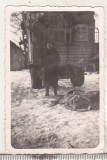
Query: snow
x: 35, y: 123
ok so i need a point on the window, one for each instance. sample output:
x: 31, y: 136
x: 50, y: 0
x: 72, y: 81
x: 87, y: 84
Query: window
x: 80, y: 33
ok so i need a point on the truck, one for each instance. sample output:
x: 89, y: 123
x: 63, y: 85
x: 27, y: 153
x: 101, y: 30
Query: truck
x: 74, y: 36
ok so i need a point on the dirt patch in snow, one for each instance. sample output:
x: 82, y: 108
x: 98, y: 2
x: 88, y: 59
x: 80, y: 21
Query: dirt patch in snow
x: 37, y: 124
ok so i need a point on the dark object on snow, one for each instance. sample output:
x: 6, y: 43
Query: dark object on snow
x: 79, y: 100
x: 94, y: 99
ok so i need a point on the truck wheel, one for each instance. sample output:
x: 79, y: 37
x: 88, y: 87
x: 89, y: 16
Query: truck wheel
x: 77, y: 78
x: 35, y: 77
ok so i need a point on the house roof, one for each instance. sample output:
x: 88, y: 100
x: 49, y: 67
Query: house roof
x: 12, y: 43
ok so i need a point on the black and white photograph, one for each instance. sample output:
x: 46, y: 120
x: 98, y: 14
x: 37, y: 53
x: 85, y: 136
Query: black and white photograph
x: 54, y: 80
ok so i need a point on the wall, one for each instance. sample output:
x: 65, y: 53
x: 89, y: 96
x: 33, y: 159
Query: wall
x: 17, y: 60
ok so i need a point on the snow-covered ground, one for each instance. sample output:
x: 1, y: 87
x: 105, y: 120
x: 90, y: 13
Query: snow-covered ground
x: 37, y: 124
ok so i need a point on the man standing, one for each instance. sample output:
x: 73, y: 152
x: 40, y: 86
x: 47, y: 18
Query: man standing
x: 51, y: 61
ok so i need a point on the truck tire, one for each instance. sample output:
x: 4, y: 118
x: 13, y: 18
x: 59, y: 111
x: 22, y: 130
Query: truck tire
x: 36, y: 80
x: 77, y: 76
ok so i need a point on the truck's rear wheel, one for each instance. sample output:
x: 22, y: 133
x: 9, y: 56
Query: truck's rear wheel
x: 35, y: 77
x: 77, y: 78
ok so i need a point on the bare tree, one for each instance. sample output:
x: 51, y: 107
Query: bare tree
x: 15, y: 26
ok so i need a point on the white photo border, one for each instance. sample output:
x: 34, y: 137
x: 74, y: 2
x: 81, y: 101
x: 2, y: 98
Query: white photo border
x: 9, y: 148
